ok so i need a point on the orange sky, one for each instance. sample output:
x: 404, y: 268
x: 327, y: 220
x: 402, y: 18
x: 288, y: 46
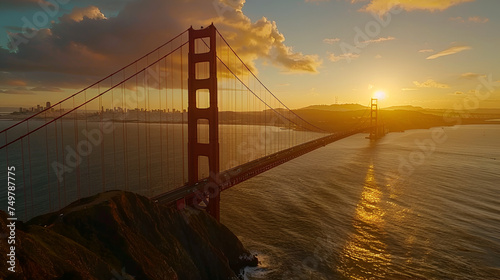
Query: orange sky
x: 435, y: 54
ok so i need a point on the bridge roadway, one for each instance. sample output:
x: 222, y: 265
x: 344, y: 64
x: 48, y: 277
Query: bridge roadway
x: 233, y: 176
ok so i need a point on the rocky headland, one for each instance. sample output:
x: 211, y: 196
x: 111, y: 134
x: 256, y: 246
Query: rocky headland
x: 121, y: 235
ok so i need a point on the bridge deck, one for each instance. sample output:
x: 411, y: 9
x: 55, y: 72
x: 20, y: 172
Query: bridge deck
x: 243, y: 172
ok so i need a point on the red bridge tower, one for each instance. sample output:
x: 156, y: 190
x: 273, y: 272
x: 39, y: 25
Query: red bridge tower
x: 196, y: 149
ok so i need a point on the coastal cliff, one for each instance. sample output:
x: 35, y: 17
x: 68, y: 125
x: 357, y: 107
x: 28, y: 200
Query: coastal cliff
x: 121, y: 235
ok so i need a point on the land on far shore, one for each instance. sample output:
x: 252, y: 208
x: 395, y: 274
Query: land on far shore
x: 338, y: 117
x: 335, y: 117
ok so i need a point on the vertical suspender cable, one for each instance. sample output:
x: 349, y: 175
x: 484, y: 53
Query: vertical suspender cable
x: 138, y: 132
x: 147, y: 123
x: 167, y: 125
x: 29, y: 166
x: 124, y: 134
x: 103, y: 167
x: 75, y: 131
x: 62, y: 151
x: 57, y: 159
x: 88, y: 144
x: 174, y: 166
x: 182, y: 117
x: 47, y: 161
x: 24, y: 182
x: 161, y: 126
x: 113, y: 117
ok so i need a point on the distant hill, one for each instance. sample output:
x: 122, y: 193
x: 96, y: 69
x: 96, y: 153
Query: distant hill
x: 336, y: 107
x: 9, y: 110
x: 404, y: 107
x: 397, y: 118
x: 358, y: 107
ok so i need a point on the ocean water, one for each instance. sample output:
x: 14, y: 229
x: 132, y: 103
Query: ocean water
x: 423, y: 204
x: 70, y: 159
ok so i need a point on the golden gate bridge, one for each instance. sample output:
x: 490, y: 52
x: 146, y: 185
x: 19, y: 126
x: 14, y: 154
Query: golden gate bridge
x: 179, y: 125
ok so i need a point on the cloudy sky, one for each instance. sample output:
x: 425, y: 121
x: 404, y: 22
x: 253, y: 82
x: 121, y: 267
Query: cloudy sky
x: 429, y: 53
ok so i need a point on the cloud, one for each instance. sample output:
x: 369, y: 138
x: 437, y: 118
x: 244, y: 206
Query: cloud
x: 379, y: 40
x: 291, y: 61
x: 15, y: 83
x: 478, y: 19
x: 78, y: 14
x: 16, y: 91
x: 449, y: 51
x: 383, y: 6
x: 378, y: 56
x: 331, y: 41
x: 84, y: 45
x: 263, y: 39
x: 457, y: 19
x: 426, y: 50
x: 430, y: 83
x: 475, y: 19
x: 471, y: 76
x: 346, y: 56
x: 458, y: 92
x: 46, y: 89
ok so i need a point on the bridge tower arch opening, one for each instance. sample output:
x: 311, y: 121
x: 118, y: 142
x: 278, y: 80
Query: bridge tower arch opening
x: 201, y: 149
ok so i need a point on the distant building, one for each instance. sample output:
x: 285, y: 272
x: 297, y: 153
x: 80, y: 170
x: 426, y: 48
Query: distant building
x: 47, y: 105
